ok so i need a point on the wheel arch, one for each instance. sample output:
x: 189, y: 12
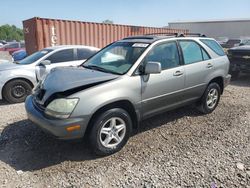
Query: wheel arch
x: 220, y: 81
x: 123, y: 104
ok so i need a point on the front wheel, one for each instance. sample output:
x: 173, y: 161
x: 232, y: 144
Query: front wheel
x: 210, y: 98
x: 110, y: 131
x: 16, y: 91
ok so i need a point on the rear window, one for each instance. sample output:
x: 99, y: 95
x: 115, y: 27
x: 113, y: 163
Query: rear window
x: 213, y: 45
x: 62, y: 56
x: 83, y: 53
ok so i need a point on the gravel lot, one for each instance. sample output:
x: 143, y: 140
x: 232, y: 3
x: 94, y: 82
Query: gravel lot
x: 177, y: 149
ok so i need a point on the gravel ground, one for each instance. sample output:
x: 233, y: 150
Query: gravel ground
x: 180, y: 148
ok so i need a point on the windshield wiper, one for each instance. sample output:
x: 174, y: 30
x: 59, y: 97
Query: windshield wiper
x: 94, y: 67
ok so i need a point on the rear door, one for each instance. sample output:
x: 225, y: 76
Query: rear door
x: 198, y: 65
x: 163, y: 91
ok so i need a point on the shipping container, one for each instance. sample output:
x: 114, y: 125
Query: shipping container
x: 42, y: 32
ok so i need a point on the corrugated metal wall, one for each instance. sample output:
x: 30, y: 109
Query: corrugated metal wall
x: 41, y: 33
x: 232, y: 29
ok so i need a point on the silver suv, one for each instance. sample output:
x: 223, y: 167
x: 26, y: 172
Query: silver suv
x: 126, y: 82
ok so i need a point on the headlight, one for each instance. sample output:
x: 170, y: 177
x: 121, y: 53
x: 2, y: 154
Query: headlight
x: 61, y: 108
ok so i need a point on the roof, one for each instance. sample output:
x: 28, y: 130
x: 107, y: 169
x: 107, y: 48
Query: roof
x: 71, y: 46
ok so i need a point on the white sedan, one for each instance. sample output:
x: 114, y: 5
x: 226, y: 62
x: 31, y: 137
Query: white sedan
x: 18, y: 78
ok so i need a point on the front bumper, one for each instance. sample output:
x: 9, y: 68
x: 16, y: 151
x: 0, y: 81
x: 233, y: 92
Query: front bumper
x: 56, y: 127
x: 227, y: 80
x: 1, y: 88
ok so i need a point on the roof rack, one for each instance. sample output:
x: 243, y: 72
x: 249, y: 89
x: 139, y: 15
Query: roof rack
x: 192, y: 34
x: 151, y: 36
x: 163, y: 34
x: 178, y: 34
x: 138, y: 37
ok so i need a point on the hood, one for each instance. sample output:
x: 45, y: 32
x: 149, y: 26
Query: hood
x: 241, y: 48
x: 71, y: 80
x: 8, y: 66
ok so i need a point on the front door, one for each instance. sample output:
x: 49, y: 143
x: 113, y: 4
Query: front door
x: 164, y: 90
x: 60, y: 58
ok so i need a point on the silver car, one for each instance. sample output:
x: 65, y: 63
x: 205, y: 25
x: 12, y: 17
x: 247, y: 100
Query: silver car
x: 126, y: 82
x: 18, y: 78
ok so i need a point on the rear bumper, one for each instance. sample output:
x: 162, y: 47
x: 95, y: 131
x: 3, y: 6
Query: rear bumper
x: 56, y: 127
x: 227, y: 80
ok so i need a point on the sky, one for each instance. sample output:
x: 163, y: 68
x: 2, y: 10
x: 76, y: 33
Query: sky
x: 156, y: 13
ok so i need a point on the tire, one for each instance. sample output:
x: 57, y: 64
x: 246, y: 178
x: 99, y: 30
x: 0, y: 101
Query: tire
x: 207, y: 103
x: 16, y: 91
x: 102, y: 129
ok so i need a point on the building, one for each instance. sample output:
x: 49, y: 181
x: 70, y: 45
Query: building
x: 232, y: 29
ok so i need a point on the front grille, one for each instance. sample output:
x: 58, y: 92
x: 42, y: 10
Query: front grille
x: 240, y: 56
x: 40, y: 94
x: 38, y: 99
x: 37, y: 105
x: 240, y: 53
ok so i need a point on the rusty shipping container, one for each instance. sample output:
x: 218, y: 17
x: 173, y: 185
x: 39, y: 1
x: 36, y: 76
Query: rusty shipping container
x: 41, y: 32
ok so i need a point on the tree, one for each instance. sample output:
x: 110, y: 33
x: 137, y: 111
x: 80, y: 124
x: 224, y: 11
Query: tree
x: 11, y: 32
x: 108, y: 22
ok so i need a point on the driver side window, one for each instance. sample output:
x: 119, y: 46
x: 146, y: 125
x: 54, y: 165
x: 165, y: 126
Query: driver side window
x: 166, y: 54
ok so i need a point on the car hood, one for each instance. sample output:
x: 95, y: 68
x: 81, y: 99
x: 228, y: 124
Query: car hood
x: 241, y: 48
x: 68, y: 80
x: 8, y: 66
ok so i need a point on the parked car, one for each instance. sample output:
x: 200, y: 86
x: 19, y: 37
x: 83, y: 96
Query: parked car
x: 17, y: 79
x: 19, y: 55
x: 239, y: 59
x: 234, y: 42
x: 2, y: 42
x: 106, y: 98
x: 12, y: 47
x: 222, y: 40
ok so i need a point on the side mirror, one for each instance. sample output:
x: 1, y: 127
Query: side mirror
x: 45, y: 62
x: 152, y: 68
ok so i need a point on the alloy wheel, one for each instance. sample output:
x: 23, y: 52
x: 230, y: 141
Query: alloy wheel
x: 112, y: 132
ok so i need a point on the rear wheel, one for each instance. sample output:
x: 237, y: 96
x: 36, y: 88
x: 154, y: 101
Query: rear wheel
x: 110, y: 131
x: 16, y: 91
x: 210, y: 98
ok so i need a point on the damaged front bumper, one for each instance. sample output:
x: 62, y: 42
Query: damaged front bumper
x: 56, y: 127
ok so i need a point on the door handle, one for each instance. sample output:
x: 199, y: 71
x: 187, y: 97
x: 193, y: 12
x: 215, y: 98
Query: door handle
x: 209, y: 65
x: 178, y: 73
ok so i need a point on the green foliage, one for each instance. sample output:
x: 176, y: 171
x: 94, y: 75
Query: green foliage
x: 108, y: 22
x: 11, y: 32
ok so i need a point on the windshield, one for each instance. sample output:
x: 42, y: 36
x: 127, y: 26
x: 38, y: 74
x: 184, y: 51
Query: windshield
x: 247, y: 42
x: 117, y: 58
x: 34, y: 57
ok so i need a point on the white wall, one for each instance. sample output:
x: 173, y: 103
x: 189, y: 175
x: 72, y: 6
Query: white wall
x: 230, y: 29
